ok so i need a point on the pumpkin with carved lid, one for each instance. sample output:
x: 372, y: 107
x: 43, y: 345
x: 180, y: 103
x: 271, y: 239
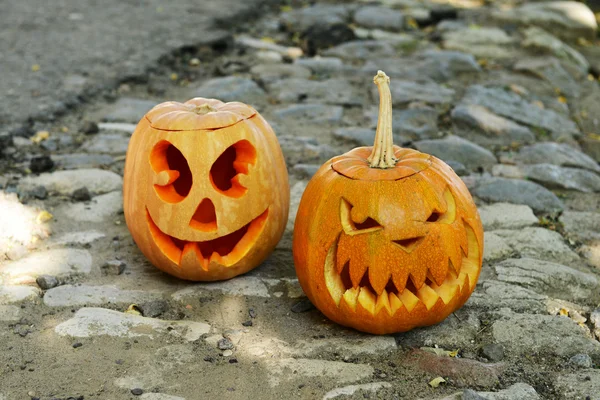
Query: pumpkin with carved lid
x: 387, y: 239
x: 205, y: 188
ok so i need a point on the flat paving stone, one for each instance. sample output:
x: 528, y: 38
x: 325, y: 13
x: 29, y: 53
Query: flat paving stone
x: 287, y: 369
x: 310, y: 113
x: 98, y: 209
x: 80, y: 295
x: 9, y: 314
x: 92, y: 322
x: 240, y: 286
x: 506, y: 216
x: 127, y: 109
x: 541, y: 244
x: 13, y: 294
x: 496, y: 295
x: 231, y: 88
x: 97, y: 181
x: 56, y: 262
x: 518, y: 191
x: 350, y: 390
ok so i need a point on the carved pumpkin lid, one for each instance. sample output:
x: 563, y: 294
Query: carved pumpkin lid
x: 197, y: 114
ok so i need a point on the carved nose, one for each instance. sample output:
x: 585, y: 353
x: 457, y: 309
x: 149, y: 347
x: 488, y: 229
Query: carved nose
x: 205, y: 217
x: 409, y: 244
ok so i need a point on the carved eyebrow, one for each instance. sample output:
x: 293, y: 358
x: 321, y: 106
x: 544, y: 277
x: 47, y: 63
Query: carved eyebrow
x: 354, y: 228
x: 447, y: 217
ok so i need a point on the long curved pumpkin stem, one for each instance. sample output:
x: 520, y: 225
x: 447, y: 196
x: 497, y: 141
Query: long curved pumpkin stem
x: 383, y: 149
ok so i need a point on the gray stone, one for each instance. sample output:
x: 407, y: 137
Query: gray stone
x: 81, y: 295
x: 241, y: 286
x: 580, y: 385
x: 91, y: 322
x: 456, y: 332
x: 480, y: 41
x: 350, y: 390
x: 417, y: 123
x: 46, y: 282
x: 117, y: 127
x: 77, y: 237
x: 127, y: 109
x: 540, y: 243
x: 296, y: 193
x: 568, y: 19
x: 581, y: 361
x: 493, y: 351
x: 438, y: 65
x: 518, y: 391
x: 554, y: 280
x: 159, y: 396
x: 306, y: 369
x: 506, y: 216
x: 556, y: 153
x: 231, y: 88
x: 98, y: 209
x: 495, y: 295
x: 555, y: 177
x: 530, y: 334
x: 65, y: 182
x: 581, y: 225
x: 81, y: 194
x: 517, y: 191
x: 595, y: 320
x: 81, y: 160
x: 15, y: 294
x: 110, y: 143
x: 486, y: 128
x: 551, y: 70
x: 57, y: 262
x: 455, y: 148
x: 9, y: 314
x: 323, y: 65
x: 358, y: 136
x: 305, y: 171
x: 379, y: 17
x: 304, y: 149
x: 311, y: 113
x: 495, y: 247
x: 540, y: 40
x: 512, y: 106
x: 361, y: 49
x: 319, y: 14
x: 424, y: 91
x: 153, y: 308
x: 113, y: 267
x: 274, y: 72
x: 330, y: 91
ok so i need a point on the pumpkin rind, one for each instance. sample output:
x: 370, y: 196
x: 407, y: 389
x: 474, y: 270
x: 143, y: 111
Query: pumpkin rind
x: 175, y: 213
x: 387, y: 250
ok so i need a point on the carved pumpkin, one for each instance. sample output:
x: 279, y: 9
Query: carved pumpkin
x: 206, y: 191
x: 387, y: 239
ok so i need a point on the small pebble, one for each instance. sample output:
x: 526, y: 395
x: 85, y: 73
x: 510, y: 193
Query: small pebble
x: 247, y: 323
x: 227, y: 353
x: 252, y: 313
x: 137, y: 392
x: 209, y: 359
x: 225, y: 344
x: 77, y: 345
x: 81, y: 194
x: 113, y: 267
x: 39, y: 192
x: 581, y: 361
x: 302, y: 306
x: 233, y: 361
x: 46, y: 282
x: 493, y: 351
x: 89, y: 127
x: 41, y: 164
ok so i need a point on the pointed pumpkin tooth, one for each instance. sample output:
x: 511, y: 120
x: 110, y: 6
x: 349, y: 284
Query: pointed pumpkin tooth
x: 395, y: 303
x: 351, y: 296
x: 166, y: 177
x: 191, y: 255
x: 333, y: 281
x: 383, y: 301
x: 428, y: 296
x: 447, y: 291
x: 367, y: 299
x: 408, y: 299
x: 379, y: 278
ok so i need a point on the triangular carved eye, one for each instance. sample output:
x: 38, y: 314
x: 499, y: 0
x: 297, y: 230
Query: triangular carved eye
x: 354, y: 228
x: 447, y: 217
x: 225, y: 171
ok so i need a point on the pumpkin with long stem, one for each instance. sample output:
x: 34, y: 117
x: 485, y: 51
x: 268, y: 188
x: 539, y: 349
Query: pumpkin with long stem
x: 387, y: 239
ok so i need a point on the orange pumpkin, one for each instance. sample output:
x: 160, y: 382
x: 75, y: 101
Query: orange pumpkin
x: 387, y: 239
x: 206, y: 191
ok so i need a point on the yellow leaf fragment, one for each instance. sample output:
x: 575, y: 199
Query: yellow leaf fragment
x: 174, y: 76
x: 133, y: 309
x: 436, y: 382
x: 40, y: 136
x: 35, y: 67
x: 43, y: 216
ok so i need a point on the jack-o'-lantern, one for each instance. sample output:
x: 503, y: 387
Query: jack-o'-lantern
x: 206, y: 191
x: 387, y: 239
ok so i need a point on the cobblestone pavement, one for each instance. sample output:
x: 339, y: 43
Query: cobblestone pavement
x: 506, y: 92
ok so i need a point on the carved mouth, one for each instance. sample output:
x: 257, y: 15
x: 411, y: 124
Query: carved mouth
x: 225, y: 250
x: 392, y: 299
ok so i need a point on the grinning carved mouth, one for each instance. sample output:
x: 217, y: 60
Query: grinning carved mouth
x: 391, y: 299
x: 225, y: 250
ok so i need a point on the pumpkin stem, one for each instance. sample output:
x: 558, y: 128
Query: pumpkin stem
x: 203, y: 109
x: 382, y: 155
